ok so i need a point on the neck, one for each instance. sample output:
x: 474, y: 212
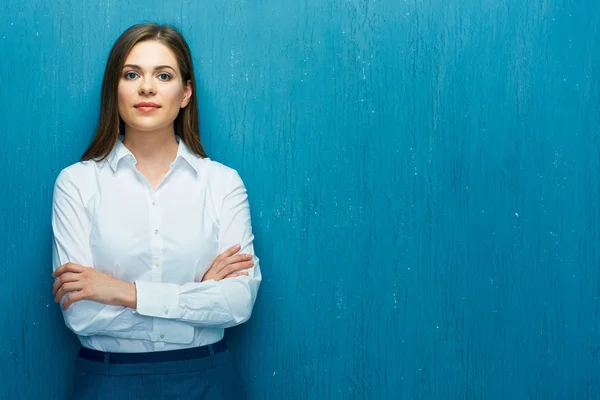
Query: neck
x: 152, y: 148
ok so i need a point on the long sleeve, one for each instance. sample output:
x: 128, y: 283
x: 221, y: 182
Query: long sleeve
x: 215, y: 304
x: 71, y: 225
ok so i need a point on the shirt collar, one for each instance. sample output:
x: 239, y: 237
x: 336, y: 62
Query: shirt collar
x: 120, y: 151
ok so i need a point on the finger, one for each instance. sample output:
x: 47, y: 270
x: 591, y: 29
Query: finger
x: 229, y: 252
x: 64, y: 278
x: 236, y: 274
x: 232, y: 260
x: 68, y: 267
x: 235, y: 267
x: 239, y: 258
x: 61, y: 270
x: 66, y: 288
x: 72, y: 298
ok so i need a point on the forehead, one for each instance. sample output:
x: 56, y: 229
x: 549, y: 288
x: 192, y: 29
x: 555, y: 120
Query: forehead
x: 151, y: 53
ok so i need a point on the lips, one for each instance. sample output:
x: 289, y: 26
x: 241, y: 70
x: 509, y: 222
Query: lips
x: 147, y: 106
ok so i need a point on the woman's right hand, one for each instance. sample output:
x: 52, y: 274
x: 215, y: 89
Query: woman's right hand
x: 228, y: 265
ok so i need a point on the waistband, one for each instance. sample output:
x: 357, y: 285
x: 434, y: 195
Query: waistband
x: 153, y: 356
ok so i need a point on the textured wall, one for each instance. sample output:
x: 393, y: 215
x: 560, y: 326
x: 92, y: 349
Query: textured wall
x: 423, y: 177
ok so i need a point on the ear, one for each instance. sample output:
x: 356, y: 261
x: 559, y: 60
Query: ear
x: 187, y: 94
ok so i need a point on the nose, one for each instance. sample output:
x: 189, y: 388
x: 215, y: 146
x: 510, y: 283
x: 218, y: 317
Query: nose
x: 146, y: 86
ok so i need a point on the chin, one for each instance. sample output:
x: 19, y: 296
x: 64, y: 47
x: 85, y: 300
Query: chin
x: 146, y: 126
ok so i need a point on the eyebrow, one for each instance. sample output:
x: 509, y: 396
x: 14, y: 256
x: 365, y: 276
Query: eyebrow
x: 133, y: 66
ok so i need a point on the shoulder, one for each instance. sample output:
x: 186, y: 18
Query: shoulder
x: 217, y: 173
x: 77, y: 173
x: 78, y: 177
x: 221, y: 179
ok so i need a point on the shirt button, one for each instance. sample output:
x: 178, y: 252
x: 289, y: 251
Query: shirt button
x: 156, y: 231
x: 162, y: 335
x: 166, y: 312
x: 153, y: 203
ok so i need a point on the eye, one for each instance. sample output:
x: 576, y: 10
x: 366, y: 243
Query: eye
x: 130, y: 75
x: 164, y: 76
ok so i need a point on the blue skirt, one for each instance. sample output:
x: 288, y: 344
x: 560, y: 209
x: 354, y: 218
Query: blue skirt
x: 207, y: 377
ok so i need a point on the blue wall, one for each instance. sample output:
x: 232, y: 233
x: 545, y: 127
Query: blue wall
x: 423, y: 178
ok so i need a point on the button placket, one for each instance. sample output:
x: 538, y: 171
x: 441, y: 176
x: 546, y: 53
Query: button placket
x: 156, y: 250
x: 156, y: 242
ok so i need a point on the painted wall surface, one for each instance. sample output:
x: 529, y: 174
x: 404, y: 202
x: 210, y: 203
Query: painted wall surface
x: 423, y: 178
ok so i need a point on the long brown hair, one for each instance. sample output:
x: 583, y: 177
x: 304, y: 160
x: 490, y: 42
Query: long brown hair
x: 110, y: 124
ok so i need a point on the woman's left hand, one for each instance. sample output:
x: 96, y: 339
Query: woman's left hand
x: 87, y: 283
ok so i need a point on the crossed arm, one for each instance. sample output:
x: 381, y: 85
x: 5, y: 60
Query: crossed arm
x: 85, y: 283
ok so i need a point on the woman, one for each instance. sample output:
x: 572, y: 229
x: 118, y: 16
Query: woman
x: 153, y: 247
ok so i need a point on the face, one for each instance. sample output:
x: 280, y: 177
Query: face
x: 151, y: 88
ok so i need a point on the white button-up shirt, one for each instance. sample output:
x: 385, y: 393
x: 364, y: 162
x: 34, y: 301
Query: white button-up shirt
x: 106, y: 215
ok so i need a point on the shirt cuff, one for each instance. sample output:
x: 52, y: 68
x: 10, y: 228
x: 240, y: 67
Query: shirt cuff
x: 157, y: 299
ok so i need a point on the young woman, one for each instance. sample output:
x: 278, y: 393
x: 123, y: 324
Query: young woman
x: 153, y: 248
